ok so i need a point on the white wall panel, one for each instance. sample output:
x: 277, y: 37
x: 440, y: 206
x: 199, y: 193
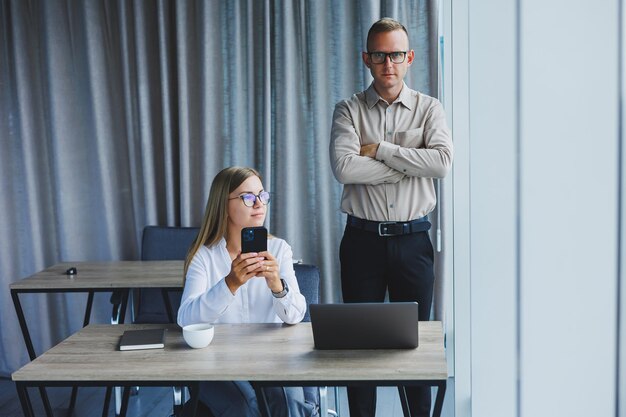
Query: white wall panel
x: 493, y: 206
x: 536, y: 194
x: 569, y: 161
x: 621, y: 392
x: 456, y: 102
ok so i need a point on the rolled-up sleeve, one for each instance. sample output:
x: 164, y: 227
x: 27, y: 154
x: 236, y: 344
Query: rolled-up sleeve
x: 292, y: 307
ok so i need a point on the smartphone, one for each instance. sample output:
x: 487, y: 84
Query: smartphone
x: 253, y: 239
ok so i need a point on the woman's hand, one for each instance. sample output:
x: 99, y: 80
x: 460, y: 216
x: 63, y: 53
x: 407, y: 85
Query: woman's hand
x: 271, y: 271
x: 244, y: 267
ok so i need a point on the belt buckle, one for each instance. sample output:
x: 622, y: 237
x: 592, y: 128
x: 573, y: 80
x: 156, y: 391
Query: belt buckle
x: 380, y: 232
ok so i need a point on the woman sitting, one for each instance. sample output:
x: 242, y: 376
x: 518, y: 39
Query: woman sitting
x: 223, y: 285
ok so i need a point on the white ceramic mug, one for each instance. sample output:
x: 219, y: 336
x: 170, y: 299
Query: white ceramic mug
x: 198, y: 335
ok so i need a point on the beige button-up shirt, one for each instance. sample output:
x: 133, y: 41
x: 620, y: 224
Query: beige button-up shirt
x: 415, y: 147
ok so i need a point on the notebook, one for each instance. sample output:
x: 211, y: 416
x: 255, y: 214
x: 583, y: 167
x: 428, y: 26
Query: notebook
x: 142, y: 339
x: 365, y: 325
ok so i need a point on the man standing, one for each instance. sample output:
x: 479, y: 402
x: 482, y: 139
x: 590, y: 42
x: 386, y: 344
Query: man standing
x: 387, y: 143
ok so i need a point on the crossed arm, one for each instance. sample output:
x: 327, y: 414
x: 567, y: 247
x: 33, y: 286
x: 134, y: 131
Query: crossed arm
x: 386, y: 162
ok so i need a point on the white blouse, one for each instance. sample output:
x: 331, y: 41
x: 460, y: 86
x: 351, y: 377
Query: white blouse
x: 207, y: 299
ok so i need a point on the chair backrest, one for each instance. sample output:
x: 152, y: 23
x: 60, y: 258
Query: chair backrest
x: 308, y: 277
x: 161, y: 244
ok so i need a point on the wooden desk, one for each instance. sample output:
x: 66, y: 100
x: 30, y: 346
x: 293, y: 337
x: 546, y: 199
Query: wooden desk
x: 265, y: 354
x: 94, y: 277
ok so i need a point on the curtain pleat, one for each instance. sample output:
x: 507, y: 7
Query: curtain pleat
x: 116, y: 115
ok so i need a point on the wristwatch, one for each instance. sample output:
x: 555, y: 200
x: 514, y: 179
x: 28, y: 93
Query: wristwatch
x: 283, y: 292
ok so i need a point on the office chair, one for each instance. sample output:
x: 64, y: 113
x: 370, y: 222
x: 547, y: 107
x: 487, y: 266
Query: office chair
x: 308, y: 277
x: 148, y: 305
x: 161, y: 244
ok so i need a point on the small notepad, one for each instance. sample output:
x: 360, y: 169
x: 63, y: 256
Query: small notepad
x: 143, y: 339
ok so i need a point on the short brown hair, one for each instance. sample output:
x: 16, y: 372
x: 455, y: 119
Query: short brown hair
x: 386, y: 24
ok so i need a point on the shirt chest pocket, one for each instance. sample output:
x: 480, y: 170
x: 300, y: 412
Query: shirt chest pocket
x: 413, y: 138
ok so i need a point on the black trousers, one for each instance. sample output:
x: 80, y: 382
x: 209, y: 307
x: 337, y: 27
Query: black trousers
x: 371, y: 265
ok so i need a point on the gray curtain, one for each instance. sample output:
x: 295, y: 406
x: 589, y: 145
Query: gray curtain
x: 117, y: 114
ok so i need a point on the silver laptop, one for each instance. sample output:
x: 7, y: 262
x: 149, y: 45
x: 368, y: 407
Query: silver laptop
x: 365, y: 325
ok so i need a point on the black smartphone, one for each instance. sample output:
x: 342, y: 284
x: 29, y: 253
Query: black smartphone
x: 253, y: 239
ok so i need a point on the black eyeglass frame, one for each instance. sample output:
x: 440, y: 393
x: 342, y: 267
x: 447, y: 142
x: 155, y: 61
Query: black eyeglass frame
x: 256, y: 197
x: 387, y: 54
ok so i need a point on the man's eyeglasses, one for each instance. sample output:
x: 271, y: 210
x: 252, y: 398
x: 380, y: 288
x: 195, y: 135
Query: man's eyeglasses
x: 249, y: 198
x: 397, y: 57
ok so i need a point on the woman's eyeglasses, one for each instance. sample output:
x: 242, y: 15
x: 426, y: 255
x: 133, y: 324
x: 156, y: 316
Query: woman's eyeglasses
x: 249, y: 198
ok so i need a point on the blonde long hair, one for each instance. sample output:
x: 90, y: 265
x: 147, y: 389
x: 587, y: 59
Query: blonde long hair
x: 214, y: 223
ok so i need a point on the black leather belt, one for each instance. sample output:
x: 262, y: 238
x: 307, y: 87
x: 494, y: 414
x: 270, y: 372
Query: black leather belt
x: 390, y: 228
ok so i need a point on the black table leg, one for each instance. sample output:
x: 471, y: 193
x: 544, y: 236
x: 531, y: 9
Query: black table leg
x: 125, y: 397
x: 123, y: 306
x: 88, y: 309
x: 70, y: 409
x: 261, y: 400
x: 107, y: 401
x: 168, y: 305
x: 404, y: 401
x: 29, y: 347
x: 22, y: 321
x: 441, y: 392
x: 126, y: 391
x: 22, y: 393
x: 194, y: 395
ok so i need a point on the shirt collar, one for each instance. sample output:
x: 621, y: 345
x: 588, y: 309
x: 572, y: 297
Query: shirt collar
x: 405, y: 98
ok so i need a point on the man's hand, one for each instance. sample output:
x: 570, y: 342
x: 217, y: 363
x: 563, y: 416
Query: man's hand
x: 369, y: 150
